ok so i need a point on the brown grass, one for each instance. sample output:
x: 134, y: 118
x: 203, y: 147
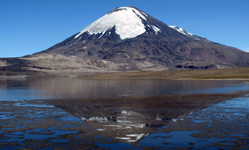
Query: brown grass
x: 234, y: 73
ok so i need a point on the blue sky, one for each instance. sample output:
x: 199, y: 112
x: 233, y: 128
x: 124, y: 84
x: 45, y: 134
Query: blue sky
x: 29, y: 26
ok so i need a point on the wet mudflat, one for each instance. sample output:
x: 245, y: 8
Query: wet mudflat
x: 197, y: 121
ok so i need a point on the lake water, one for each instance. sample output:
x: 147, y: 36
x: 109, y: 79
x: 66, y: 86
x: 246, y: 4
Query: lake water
x: 28, y: 89
x: 30, y: 118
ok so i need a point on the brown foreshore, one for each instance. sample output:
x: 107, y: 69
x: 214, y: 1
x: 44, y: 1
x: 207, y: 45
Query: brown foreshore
x: 218, y: 74
x: 211, y: 74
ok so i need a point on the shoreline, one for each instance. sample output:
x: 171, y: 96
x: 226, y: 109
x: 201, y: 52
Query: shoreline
x: 217, y: 74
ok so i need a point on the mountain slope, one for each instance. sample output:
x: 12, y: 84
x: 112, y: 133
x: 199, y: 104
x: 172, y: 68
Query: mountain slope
x: 127, y: 39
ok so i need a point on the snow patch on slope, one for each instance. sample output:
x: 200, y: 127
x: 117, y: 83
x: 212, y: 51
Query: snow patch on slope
x: 181, y: 30
x: 190, y: 35
x: 156, y: 29
x: 126, y: 20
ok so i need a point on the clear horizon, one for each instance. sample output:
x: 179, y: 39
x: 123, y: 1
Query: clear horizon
x: 31, y: 26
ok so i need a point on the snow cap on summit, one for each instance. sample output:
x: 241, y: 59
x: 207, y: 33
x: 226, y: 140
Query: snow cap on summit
x: 128, y: 23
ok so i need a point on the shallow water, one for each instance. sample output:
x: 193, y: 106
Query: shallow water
x: 223, y: 125
x: 40, y: 124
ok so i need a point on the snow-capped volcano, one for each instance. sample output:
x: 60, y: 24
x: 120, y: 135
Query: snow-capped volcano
x: 128, y: 39
x: 127, y: 21
x: 133, y: 40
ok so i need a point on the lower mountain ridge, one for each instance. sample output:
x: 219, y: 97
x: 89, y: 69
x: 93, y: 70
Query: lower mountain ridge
x: 128, y: 39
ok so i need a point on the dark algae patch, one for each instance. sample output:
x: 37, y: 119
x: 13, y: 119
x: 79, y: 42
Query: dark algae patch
x: 199, y: 121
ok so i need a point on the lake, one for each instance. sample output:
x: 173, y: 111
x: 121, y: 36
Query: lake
x: 28, y: 89
x: 73, y: 113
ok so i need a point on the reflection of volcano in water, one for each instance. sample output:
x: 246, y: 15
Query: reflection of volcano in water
x: 131, y: 119
x: 125, y: 125
x: 68, y: 88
